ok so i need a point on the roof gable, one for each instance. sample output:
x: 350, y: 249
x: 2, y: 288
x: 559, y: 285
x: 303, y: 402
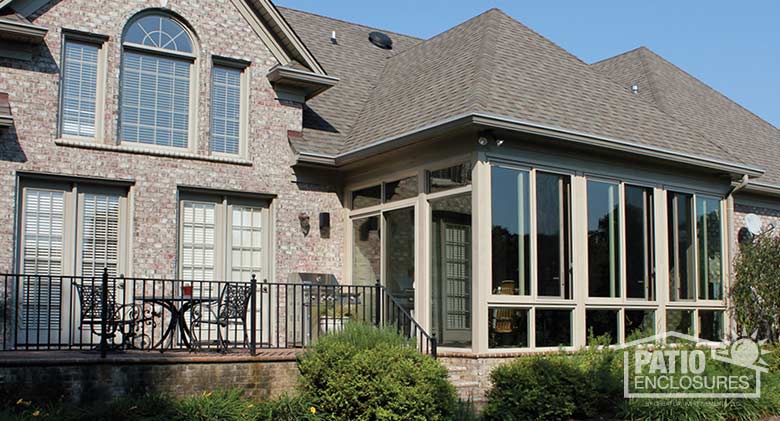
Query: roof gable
x: 700, y: 107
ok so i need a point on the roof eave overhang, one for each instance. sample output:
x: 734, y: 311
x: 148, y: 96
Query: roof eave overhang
x: 310, y: 84
x: 762, y: 189
x: 499, y: 122
x: 6, y: 120
x: 29, y: 33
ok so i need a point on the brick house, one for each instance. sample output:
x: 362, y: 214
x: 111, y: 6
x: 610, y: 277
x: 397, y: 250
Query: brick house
x: 509, y: 196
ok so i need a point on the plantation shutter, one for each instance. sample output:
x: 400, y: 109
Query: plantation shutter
x: 42, y: 254
x: 100, y: 234
x: 79, y: 89
x: 457, y: 273
x: 225, y: 109
x: 155, y: 100
x: 198, y: 240
x: 246, y: 242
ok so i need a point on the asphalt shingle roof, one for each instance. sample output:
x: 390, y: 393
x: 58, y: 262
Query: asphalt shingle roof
x: 490, y: 64
x: 700, y: 107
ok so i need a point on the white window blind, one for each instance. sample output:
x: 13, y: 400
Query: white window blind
x: 155, y: 100
x: 198, y: 240
x: 457, y: 251
x: 225, y: 109
x: 100, y: 235
x: 247, y: 242
x: 42, y: 255
x: 79, y: 89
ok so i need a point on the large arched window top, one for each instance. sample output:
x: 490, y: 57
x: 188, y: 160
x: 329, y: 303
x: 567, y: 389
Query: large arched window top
x: 159, y: 31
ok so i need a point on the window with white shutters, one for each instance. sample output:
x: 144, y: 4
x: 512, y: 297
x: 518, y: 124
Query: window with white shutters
x: 225, y: 109
x: 100, y: 234
x: 79, y: 88
x: 198, y: 240
x: 42, y: 256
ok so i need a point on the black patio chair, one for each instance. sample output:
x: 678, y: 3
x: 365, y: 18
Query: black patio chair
x: 119, y: 318
x: 230, y: 310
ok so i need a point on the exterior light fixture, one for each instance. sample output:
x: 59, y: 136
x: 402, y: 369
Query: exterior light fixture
x: 499, y: 142
x: 305, y: 223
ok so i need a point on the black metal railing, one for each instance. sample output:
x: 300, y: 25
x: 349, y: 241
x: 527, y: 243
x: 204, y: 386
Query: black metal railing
x: 106, y: 313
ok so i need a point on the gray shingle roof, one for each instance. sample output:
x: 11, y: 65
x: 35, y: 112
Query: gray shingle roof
x: 490, y: 64
x: 357, y: 64
x: 699, y: 106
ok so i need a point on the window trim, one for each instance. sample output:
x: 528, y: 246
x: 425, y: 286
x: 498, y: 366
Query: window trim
x: 99, y: 41
x: 194, y: 76
x: 243, y: 118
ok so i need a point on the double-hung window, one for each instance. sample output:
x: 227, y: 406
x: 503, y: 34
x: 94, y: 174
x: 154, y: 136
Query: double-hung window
x: 227, y: 108
x: 81, y: 85
x: 158, y: 56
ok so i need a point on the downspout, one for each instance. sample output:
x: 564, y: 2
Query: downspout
x: 732, y: 249
x: 742, y: 184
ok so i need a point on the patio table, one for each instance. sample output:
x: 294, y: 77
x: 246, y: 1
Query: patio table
x: 178, y: 308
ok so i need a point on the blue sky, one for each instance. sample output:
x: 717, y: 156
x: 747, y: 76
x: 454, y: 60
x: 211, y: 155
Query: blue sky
x: 733, y: 46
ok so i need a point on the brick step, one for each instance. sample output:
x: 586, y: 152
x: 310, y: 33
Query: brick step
x: 456, y: 368
x: 462, y: 384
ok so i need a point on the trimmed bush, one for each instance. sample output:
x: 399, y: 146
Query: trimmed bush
x: 364, y: 373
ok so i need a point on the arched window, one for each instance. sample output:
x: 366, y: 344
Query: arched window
x: 157, y: 58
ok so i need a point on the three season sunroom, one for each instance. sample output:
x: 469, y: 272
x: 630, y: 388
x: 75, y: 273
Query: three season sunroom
x: 504, y: 251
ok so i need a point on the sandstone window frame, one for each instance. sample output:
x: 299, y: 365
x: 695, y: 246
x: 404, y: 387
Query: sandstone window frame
x: 163, y: 55
x: 97, y: 41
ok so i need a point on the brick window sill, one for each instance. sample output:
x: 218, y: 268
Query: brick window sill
x: 140, y: 150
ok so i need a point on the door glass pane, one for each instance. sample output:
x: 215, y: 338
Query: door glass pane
x: 511, y: 232
x: 366, y: 251
x: 680, y: 321
x: 710, y: 249
x: 100, y: 234
x: 364, y: 198
x: 507, y: 327
x: 401, y: 189
x: 681, y: 248
x: 711, y: 325
x: 198, y: 240
x: 399, y: 256
x: 601, y: 323
x: 639, y: 324
x: 553, y: 195
x: 603, y: 240
x: 449, y: 178
x: 247, y: 249
x: 451, y: 270
x: 553, y: 328
x: 640, y: 264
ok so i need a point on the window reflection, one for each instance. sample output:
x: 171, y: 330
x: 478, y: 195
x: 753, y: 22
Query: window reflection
x: 681, y: 248
x: 370, y: 196
x: 449, y: 178
x: 603, y: 240
x: 680, y: 321
x: 638, y: 324
x: 507, y: 327
x: 710, y: 250
x: 553, y: 328
x: 511, y: 232
x: 451, y: 270
x: 401, y: 189
x: 366, y: 251
x: 601, y: 323
x: 640, y: 260
x: 553, y: 198
x: 711, y: 325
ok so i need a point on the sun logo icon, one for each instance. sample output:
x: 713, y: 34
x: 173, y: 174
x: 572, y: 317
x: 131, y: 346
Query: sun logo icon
x: 744, y: 352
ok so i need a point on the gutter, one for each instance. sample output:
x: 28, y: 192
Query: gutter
x: 763, y: 189
x: 521, y: 126
x: 30, y: 32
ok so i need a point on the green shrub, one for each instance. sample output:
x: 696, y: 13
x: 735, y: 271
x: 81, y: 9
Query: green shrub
x: 364, y: 373
x: 287, y: 408
x: 755, y: 294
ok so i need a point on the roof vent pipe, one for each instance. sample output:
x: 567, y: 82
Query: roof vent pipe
x: 333, y: 38
x: 635, y: 88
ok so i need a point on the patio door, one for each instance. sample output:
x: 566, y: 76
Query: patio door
x: 399, y: 255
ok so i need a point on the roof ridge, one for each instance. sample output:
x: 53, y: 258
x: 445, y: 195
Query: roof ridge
x: 708, y: 87
x: 352, y: 23
x: 625, y: 53
x: 656, y: 105
x: 650, y: 79
x: 485, y: 76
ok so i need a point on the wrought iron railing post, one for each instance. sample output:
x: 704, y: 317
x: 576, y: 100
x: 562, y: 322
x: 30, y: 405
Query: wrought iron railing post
x: 104, y: 314
x: 378, y: 304
x: 434, y: 344
x: 253, y: 316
